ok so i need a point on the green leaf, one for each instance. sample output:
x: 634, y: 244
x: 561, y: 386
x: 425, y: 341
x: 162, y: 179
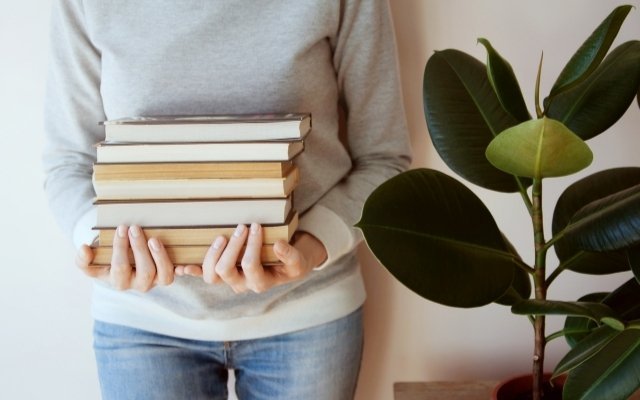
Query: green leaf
x: 576, y: 196
x: 464, y: 114
x: 579, y: 326
x: 539, y: 148
x: 613, y: 373
x: 437, y: 237
x: 596, y: 103
x: 592, y: 51
x: 520, y: 288
x: 596, y: 311
x: 585, y: 349
x: 610, y: 223
x: 504, y: 82
x: 625, y: 300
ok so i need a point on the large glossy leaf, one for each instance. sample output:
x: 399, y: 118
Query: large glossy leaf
x: 598, y: 312
x: 576, y: 196
x: 611, y: 223
x: 592, y: 51
x: 437, y: 238
x: 613, y: 373
x: 520, y: 288
x: 505, y: 83
x: 539, y: 148
x: 464, y: 114
x: 585, y: 349
x: 581, y: 327
x: 624, y: 301
x: 595, y: 104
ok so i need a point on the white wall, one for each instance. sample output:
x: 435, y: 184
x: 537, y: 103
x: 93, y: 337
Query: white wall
x: 45, y: 339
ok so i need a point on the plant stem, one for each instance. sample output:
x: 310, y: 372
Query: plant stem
x: 540, y: 287
x: 525, y: 196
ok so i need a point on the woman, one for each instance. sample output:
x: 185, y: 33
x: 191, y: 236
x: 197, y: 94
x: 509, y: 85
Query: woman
x: 172, y: 332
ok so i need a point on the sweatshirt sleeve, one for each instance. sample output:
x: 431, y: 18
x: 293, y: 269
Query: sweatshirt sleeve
x: 73, y: 108
x: 365, y: 61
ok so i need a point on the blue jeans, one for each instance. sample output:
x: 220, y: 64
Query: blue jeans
x: 317, y: 363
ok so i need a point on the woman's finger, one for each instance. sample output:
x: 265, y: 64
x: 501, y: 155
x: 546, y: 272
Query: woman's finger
x: 193, y: 270
x: 226, y: 267
x: 84, y: 258
x: 121, y: 271
x: 291, y: 258
x: 164, y: 266
x: 211, y: 259
x: 145, y: 271
x: 255, y: 278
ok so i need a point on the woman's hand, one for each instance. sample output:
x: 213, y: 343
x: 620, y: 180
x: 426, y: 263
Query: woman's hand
x: 152, y: 263
x: 220, y: 264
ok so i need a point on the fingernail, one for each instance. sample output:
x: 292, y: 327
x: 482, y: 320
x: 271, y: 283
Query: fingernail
x: 154, y: 244
x: 218, y: 242
x: 135, y: 231
x: 239, y: 230
x: 254, y: 228
x: 122, y: 231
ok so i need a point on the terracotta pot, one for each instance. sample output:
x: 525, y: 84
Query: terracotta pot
x: 520, y: 388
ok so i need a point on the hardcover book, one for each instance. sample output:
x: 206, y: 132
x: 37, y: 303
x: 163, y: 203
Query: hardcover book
x: 208, y: 128
x: 121, y: 152
x: 186, y: 187
x: 197, y: 212
x: 205, y: 235
x: 194, y: 170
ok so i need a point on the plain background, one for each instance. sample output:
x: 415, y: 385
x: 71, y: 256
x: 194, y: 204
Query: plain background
x: 45, y: 334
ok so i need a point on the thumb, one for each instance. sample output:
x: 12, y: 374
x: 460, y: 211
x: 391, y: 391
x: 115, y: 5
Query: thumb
x: 283, y: 250
x: 84, y: 257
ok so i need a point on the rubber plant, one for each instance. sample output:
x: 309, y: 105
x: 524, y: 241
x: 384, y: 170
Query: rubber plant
x: 441, y: 241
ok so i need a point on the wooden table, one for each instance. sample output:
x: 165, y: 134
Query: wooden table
x: 464, y: 390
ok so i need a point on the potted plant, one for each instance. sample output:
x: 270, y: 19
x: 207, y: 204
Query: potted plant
x: 440, y: 240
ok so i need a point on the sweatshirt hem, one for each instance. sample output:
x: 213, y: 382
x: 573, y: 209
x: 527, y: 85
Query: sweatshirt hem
x: 322, y: 306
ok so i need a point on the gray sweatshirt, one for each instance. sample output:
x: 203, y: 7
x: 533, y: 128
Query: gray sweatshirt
x: 120, y: 58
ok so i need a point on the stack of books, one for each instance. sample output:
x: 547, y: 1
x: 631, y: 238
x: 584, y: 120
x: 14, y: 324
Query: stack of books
x: 188, y: 179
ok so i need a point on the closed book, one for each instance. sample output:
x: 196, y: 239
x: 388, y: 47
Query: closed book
x: 196, y: 212
x: 208, y: 128
x: 193, y: 188
x: 121, y: 152
x: 181, y: 255
x: 195, y: 170
x: 204, y: 236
